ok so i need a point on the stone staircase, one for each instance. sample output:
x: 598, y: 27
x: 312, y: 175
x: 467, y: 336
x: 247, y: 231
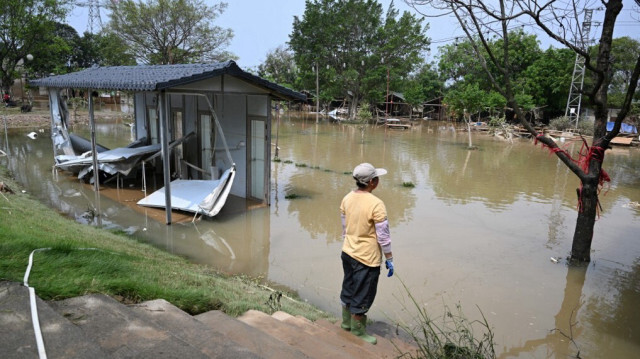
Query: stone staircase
x: 97, y: 326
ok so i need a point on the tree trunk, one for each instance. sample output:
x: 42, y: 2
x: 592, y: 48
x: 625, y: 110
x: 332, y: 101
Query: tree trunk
x: 583, y: 235
x: 588, y: 197
x: 353, y: 108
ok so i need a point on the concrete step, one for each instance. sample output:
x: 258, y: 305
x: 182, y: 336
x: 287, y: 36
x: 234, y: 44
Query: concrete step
x: 397, y: 336
x: 387, y: 347
x: 350, y: 344
x: 17, y: 338
x: 312, y: 346
x: 192, y: 331
x: 121, y: 332
x: 252, y: 338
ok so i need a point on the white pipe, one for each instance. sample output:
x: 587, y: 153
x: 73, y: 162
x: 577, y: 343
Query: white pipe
x: 34, y: 309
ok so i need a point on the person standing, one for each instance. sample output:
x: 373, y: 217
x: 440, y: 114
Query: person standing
x: 365, y: 230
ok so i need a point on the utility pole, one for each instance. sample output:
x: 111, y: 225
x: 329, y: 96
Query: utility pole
x: 386, y: 109
x: 317, y: 94
x: 572, y: 110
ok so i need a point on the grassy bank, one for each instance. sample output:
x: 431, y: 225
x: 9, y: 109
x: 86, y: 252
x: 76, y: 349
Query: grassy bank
x: 116, y: 264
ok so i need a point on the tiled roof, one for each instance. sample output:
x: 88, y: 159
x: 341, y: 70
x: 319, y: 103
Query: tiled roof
x: 155, y: 77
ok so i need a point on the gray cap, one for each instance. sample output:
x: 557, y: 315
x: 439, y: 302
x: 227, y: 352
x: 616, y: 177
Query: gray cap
x: 365, y: 172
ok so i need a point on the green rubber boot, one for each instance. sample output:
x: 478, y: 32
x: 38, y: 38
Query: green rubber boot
x: 346, y: 319
x: 359, y: 326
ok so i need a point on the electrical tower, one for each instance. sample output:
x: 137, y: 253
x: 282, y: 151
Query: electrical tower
x: 577, y: 79
x: 94, y: 12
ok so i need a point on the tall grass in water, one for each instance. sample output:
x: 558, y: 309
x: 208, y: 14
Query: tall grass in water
x: 452, y: 336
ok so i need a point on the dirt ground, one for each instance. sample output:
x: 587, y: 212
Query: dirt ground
x: 38, y: 118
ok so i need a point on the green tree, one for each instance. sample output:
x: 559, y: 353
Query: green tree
x: 53, y: 51
x: 430, y: 81
x: 459, y: 62
x: 171, y: 31
x: 353, y: 46
x: 101, y: 49
x: 279, y: 67
x: 624, y: 52
x: 548, y: 80
x: 465, y: 101
x: 556, y: 19
x: 414, y: 95
x: 23, y: 25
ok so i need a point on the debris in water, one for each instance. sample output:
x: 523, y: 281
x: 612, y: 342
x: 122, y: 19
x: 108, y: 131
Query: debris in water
x: 32, y: 135
x: 554, y: 260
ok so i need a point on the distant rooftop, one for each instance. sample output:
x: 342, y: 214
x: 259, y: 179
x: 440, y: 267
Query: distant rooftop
x: 156, y: 77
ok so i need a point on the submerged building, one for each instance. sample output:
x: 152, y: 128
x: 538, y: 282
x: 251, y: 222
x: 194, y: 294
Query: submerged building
x: 196, y: 122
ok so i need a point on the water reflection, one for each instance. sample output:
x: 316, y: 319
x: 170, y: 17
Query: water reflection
x: 560, y: 341
x: 478, y: 228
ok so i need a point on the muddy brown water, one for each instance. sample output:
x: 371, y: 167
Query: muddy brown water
x: 478, y: 229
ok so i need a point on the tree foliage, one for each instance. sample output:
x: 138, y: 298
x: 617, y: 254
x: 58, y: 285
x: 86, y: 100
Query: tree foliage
x: 279, y: 67
x: 171, y: 31
x: 52, y: 53
x: 103, y: 49
x: 548, y: 80
x: 353, y: 45
x: 25, y: 25
x: 542, y: 79
x: 624, y: 53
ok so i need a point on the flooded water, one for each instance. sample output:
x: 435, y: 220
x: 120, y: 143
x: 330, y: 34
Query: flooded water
x: 477, y: 229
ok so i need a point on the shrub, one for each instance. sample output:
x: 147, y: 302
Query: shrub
x: 585, y: 127
x: 364, y: 113
x: 560, y: 123
x: 496, y: 121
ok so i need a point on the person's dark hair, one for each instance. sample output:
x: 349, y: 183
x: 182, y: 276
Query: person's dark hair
x: 360, y: 185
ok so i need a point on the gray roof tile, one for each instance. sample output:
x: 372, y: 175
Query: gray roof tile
x: 156, y: 77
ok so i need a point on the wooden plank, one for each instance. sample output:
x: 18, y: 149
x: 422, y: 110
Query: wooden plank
x: 622, y: 141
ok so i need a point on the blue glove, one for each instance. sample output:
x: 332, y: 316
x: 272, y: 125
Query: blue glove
x: 389, y: 264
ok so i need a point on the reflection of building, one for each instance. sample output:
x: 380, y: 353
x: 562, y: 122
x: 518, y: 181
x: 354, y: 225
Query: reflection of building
x: 237, y: 245
x: 204, y: 117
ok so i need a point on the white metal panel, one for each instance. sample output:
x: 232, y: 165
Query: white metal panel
x: 212, y: 84
x: 257, y: 105
x: 234, y: 84
x: 232, y: 111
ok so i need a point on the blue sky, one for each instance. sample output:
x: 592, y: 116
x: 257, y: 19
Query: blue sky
x: 262, y: 25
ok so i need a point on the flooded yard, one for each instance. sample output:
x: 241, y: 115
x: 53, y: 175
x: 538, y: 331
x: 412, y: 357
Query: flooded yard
x: 482, y: 228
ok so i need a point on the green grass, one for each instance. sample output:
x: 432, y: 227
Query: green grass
x: 408, y: 184
x: 451, y: 336
x: 119, y: 266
